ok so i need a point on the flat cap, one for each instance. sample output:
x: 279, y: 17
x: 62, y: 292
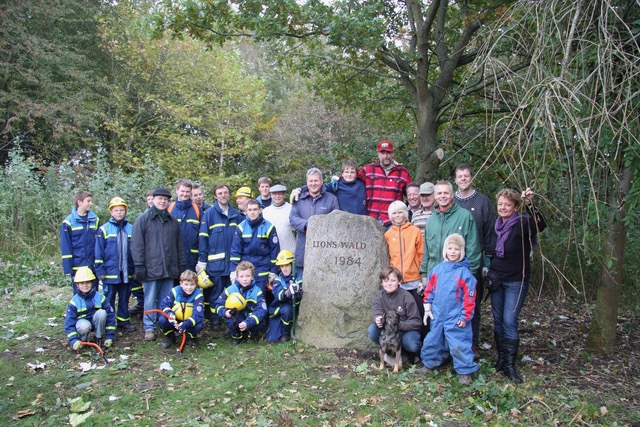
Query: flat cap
x: 278, y: 189
x: 161, y: 191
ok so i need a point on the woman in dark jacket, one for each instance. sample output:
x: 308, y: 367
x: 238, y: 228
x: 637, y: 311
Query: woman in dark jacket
x: 515, y: 236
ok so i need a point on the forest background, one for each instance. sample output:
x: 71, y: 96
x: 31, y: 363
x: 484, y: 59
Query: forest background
x: 118, y: 97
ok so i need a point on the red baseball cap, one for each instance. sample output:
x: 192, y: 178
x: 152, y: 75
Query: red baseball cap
x: 385, y: 146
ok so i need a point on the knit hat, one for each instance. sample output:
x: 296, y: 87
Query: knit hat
x: 455, y: 239
x: 398, y: 206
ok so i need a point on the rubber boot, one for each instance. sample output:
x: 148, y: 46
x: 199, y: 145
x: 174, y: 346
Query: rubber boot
x: 499, y: 366
x: 510, y: 355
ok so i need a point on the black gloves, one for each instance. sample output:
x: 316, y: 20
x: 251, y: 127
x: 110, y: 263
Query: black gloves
x: 141, y: 273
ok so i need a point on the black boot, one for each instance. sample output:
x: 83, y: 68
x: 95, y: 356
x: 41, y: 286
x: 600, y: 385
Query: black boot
x: 510, y: 355
x: 499, y: 366
x: 169, y: 340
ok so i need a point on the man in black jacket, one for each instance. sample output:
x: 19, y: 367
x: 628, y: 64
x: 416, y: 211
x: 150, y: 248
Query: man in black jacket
x: 156, y: 247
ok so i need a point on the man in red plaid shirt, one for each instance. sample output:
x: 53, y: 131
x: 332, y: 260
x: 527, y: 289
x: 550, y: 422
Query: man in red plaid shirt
x: 385, y: 183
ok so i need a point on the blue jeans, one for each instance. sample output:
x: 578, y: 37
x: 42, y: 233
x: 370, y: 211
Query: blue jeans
x: 154, y: 292
x: 506, y: 304
x: 410, y: 339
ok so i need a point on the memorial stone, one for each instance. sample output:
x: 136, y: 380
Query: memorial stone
x: 344, y: 255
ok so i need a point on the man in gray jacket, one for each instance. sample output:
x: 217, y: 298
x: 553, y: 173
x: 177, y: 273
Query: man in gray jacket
x: 315, y: 200
x: 156, y: 247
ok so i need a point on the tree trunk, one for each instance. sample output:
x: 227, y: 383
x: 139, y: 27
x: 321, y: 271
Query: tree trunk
x: 428, y: 154
x: 602, y: 335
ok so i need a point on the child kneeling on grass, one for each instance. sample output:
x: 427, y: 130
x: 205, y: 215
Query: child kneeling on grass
x: 185, y: 307
x: 393, y: 297
x: 243, y: 305
x: 285, y: 288
x: 449, y: 302
x: 89, y: 311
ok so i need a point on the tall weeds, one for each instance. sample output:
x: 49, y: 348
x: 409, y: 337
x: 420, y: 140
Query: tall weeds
x: 35, y: 198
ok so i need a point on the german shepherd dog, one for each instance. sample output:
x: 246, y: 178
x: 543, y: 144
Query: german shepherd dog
x: 391, y: 341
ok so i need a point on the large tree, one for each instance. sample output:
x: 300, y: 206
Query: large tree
x: 418, y: 46
x: 572, y: 131
x: 192, y: 109
x: 51, y: 76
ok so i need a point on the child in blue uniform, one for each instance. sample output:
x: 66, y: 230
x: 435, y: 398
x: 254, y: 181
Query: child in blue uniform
x: 449, y: 301
x: 114, y: 264
x: 285, y: 288
x: 78, y: 237
x: 89, y: 311
x: 248, y: 321
x: 185, y: 307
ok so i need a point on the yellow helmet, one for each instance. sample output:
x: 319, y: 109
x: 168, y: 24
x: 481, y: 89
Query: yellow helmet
x: 84, y: 274
x: 117, y: 201
x: 203, y: 280
x: 244, y: 191
x: 180, y: 315
x: 285, y: 257
x: 235, y: 300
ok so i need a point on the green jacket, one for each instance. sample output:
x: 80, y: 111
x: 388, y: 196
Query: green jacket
x: 442, y: 224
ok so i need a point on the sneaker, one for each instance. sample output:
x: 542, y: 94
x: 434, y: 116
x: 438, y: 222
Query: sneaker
x: 193, y: 342
x: 284, y: 338
x: 128, y: 327
x: 464, y: 379
x: 423, y: 371
x: 149, y: 336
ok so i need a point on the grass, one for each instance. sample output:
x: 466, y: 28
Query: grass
x: 256, y: 384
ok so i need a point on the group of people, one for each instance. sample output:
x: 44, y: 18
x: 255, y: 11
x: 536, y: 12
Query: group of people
x: 437, y: 274
x: 247, y: 261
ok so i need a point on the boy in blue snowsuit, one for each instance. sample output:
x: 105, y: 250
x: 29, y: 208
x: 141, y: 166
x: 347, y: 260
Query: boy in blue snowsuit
x: 185, y: 307
x: 78, y: 237
x: 248, y: 321
x: 449, y: 301
x: 89, y: 311
x: 285, y: 289
x: 114, y: 264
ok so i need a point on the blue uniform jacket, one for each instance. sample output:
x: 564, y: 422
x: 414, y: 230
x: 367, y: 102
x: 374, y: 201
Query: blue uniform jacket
x: 189, y: 222
x: 216, y: 237
x: 195, y: 302
x: 84, y: 306
x: 78, y: 241
x: 256, y: 310
x: 452, y: 291
x: 108, y: 262
x: 257, y: 244
x: 280, y: 286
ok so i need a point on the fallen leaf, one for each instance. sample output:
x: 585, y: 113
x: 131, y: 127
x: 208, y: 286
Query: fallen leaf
x: 77, y: 419
x: 22, y: 414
